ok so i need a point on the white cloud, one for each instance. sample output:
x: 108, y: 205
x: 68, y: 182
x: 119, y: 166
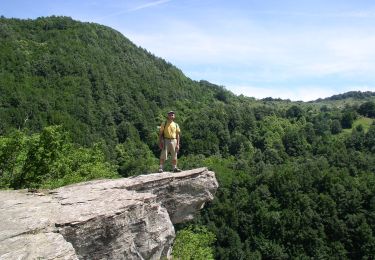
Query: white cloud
x: 148, y: 5
x: 356, y: 14
x: 305, y: 93
x: 308, y: 53
x: 302, y: 93
x: 240, y: 52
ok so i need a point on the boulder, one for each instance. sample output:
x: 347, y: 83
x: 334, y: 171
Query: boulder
x: 128, y: 218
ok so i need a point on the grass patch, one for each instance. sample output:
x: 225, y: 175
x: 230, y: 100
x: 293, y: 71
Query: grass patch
x: 364, y: 121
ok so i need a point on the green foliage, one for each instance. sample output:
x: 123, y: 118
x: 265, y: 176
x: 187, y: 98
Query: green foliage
x: 90, y: 79
x: 352, y: 94
x: 367, y: 109
x: 193, y: 243
x: 294, y: 112
x: 364, y: 121
x: 370, y: 138
x: 303, y: 209
x: 294, y: 142
x: 336, y: 127
x: 12, y: 157
x: 347, y: 119
x: 49, y: 160
x: 134, y: 158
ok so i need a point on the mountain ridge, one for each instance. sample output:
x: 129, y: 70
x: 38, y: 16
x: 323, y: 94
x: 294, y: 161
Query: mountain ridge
x: 87, y: 77
x: 93, y: 80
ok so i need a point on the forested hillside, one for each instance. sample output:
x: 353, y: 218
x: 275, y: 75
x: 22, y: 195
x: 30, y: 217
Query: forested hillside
x: 80, y: 101
x: 90, y: 79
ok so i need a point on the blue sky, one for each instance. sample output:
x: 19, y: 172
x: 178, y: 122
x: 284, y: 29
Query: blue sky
x: 296, y: 49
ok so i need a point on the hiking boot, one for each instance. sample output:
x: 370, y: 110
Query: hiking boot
x: 160, y: 170
x: 176, y: 170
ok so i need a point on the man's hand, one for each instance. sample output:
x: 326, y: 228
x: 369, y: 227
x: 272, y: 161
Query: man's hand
x: 177, y: 147
x: 161, y: 145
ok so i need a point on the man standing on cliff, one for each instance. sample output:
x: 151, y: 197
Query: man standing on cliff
x: 169, y: 141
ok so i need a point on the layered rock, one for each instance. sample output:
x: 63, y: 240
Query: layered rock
x: 129, y: 218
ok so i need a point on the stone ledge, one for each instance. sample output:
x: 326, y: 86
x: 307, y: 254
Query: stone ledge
x: 129, y: 218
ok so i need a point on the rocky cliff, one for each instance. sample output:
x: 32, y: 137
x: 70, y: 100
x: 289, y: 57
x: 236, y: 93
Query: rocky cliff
x: 128, y: 218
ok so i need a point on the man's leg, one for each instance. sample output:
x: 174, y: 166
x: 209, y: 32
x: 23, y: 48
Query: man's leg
x: 161, y: 165
x: 174, y: 163
x: 163, y: 156
x: 174, y: 157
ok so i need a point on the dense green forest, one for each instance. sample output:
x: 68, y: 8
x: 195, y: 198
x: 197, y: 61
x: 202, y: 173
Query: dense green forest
x: 79, y: 101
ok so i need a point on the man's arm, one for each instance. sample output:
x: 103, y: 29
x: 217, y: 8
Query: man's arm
x: 178, y: 141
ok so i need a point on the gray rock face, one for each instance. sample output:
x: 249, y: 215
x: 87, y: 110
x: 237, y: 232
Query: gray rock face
x: 128, y: 218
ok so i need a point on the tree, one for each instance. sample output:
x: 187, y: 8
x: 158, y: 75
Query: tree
x: 49, y: 160
x: 367, y: 109
x: 135, y: 158
x: 294, y: 142
x: 357, y: 138
x: 193, y: 243
x: 347, y: 119
x: 336, y: 127
x: 370, y: 138
x: 294, y: 112
x: 12, y: 156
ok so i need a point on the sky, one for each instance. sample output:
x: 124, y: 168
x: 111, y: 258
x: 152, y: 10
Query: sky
x: 289, y: 49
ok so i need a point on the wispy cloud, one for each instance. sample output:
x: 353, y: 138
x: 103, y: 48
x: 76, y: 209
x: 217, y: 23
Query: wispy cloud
x: 148, y: 5
x: 343, y: 14
x: 133, y: 9
x: 290, y: 54
x: 356, y: 14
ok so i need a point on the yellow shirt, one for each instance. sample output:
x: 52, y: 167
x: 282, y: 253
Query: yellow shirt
x: 170, y: 130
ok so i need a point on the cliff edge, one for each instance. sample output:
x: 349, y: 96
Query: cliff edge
x: 129, y: 218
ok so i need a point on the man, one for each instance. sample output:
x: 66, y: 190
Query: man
x: 169, y: 141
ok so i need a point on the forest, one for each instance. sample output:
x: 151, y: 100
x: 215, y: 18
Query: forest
x: 79, y: 101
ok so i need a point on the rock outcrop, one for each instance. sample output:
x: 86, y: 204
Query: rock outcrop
x: 128, y: 218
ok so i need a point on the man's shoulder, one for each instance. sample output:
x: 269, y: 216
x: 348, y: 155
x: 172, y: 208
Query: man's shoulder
x: 177, y: 128
x: 163, y: 124
x: 176, y: 125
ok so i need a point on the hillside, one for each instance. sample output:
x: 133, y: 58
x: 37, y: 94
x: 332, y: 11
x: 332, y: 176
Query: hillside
x: 89, y: 78
x: 351, y: 94
x: 79, y: 101
x: 351, y: 98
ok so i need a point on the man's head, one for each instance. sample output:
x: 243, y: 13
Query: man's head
x: 171, y: 115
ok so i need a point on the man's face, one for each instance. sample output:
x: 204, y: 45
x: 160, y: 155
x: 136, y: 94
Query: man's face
x: 171, y: 116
